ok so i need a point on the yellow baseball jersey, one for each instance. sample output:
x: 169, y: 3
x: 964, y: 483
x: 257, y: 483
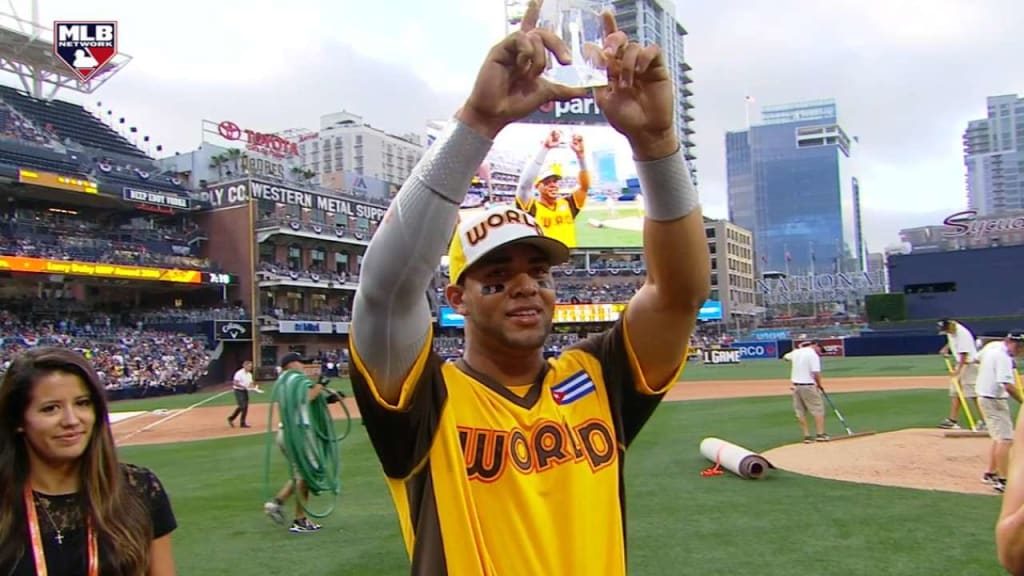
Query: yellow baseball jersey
x: 558, y: 222
x: 487, y: 481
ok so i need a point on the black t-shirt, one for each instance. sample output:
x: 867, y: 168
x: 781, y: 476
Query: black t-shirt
x: 70, y: 558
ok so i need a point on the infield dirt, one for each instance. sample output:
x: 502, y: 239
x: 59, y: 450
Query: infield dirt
x: 913, y: 458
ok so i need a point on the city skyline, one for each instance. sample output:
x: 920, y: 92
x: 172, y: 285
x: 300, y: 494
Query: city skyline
x: 889, y: 67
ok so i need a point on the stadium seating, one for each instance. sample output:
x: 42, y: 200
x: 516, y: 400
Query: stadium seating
x: 21, y: 155
x: 38, y: 234
x: 70, y: 121
x: 137, y: 174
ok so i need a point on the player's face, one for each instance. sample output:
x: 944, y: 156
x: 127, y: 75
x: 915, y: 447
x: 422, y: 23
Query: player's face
x: 549, y: 188
x: 510, y: 297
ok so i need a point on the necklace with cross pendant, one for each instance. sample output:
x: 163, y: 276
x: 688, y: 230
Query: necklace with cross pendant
x: 59, y: 537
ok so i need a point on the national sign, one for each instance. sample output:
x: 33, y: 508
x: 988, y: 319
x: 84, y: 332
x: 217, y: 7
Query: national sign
x: 85, y: 46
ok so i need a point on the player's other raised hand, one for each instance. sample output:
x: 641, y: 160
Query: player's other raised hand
x: 639, y: 99
x: 509, y: 86
x: 577, y: 144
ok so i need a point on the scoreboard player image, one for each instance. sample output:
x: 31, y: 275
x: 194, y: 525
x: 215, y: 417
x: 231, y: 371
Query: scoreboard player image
x: 554, y: 209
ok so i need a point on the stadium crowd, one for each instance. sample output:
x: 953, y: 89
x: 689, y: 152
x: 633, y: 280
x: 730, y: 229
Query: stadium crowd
x: 16, y: 126
x: 33, y: 233
x: 131, y: 362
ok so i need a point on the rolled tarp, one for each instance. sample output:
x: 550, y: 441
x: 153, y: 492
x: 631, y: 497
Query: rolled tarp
x: 736, y: 459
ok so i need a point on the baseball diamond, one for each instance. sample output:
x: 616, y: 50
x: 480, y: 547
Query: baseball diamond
x: 908, y: 470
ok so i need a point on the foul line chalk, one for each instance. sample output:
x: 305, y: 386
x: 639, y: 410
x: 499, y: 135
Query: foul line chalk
x: 172, y: 416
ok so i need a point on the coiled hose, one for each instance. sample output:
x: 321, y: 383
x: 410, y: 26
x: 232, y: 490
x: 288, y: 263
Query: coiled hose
x: 311, y: 444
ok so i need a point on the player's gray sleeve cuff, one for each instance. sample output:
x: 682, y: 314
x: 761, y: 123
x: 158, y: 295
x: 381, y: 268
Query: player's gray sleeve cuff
x: 667, y: 188
x: 452, y: 160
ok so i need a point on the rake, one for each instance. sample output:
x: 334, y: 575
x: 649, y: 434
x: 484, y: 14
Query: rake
x: 849, y: 432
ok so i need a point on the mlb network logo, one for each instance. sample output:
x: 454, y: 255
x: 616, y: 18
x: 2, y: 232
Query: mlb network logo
x: 85, y: 46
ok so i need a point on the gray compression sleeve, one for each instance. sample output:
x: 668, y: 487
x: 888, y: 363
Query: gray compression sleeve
x: 390, y: 312
x: 525, y: 189
x: 667, y: 188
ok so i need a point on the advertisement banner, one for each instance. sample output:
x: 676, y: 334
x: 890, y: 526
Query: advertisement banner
x: 757, y: 350
x: 239, y: 192
x: 73, y: 268
x: 575, y: 111
x: 58, y: 181
x: 711, y: 310
x: 304, y: 327
x: 447, y: 317
x: 832, y: 347
x: 155, y: 198
x: 234, y: 330
x: 717, y: 356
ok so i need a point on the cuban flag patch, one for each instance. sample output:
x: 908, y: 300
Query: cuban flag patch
x: 573, y: 388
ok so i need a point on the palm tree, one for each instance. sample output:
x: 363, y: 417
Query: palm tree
x: 217, y: 162
x: 235, y: 155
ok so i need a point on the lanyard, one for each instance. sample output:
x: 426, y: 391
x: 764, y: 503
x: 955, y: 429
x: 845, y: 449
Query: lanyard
x: 37, y: 540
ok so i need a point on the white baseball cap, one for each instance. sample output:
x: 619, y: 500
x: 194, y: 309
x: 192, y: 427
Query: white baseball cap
x: 494, y: 228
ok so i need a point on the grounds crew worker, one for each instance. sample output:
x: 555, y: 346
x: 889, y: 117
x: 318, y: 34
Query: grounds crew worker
x: 1010, y: 525
x: 963, y: 347
x: 805, y: 376
x: 291, y: 374
x: 502, y: 462
x: 996, y: 382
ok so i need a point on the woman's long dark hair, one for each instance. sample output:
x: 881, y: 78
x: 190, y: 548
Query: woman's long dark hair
x: 119, y: 513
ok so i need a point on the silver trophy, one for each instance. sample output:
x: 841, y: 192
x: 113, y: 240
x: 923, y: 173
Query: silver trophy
x: 578, y: 24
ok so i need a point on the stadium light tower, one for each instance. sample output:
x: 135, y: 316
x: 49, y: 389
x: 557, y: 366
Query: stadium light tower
x: 26, y: 50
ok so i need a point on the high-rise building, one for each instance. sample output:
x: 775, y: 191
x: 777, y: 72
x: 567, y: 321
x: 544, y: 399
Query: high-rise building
x: 345, y: 143
x: 732, y: 267
x: 789, y: 184
x: 994, y: 157
x: 655, y: 22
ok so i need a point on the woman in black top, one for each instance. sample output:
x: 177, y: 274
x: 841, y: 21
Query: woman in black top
x: 67, y: 506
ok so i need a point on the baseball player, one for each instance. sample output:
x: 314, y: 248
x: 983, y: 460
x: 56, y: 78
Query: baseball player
x: 555, y: 214
x: 242, y: 384
x: 960, y: 343
x: 291, y: 374
x: 502, y: 462
x: 805, y: 376
x: 997, y: 381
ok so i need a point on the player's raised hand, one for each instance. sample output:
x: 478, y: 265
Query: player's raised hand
x: 639, y: 99
x: 552, y: 139
x: 509, y: 85
x: 577, y: 144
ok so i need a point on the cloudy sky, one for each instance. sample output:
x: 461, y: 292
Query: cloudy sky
x: 907, y: 74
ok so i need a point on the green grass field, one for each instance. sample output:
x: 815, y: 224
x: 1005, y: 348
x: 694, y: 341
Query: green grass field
x: 590, y: 236
x: 679, y: 522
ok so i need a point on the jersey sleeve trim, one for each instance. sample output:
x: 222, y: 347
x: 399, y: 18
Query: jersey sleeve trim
x: 530, y: 206
x: 408, y: 383
x: 574, y: 209
x: 639, y: 379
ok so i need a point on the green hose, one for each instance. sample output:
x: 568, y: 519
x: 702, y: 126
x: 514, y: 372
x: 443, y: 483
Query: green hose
x: 310, y: 443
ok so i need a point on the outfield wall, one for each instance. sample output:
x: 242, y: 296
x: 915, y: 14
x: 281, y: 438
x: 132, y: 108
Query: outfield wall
x: 876, y: 345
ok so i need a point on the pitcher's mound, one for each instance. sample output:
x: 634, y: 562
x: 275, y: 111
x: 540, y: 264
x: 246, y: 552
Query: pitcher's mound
x: 914, y: 458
